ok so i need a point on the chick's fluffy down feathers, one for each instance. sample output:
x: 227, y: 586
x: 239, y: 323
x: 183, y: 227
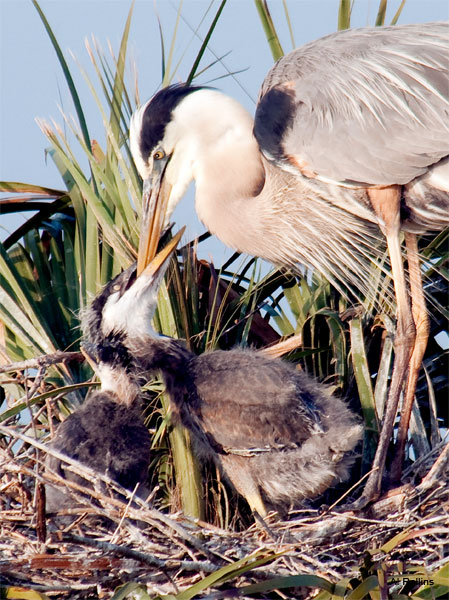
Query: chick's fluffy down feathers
x: 107, y: 436
x: 267, y: 425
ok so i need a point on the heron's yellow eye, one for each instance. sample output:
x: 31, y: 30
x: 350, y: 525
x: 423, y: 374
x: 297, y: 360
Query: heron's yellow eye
x: 158, y: 154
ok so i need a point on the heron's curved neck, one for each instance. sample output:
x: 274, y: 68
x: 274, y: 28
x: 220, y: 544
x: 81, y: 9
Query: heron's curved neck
x: 227, y: 166
x: 117, y: 381
x: 164, y: 354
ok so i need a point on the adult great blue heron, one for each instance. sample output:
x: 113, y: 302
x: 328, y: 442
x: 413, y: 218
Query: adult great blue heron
x: 350, y: 139
x: 275, y: 433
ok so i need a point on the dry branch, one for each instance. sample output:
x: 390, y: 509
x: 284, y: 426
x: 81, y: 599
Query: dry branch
x: 43, y: 361
x: 166, y: 552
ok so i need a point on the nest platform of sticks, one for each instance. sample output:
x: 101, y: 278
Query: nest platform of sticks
x: 111, y: 543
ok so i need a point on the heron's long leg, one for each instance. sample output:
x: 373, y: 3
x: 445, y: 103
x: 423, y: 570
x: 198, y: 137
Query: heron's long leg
x: 422, y: 325
x: 239, y: 472
x: 386, y: 203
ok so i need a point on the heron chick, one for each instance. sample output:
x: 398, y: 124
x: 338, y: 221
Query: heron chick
x: 107, y: 432
x: 277, y: 435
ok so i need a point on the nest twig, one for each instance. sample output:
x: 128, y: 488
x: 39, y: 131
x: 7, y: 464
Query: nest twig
x: 43, y: 361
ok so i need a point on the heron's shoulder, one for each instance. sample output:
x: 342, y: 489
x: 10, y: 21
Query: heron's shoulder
x: 359, y: 84
x: 341, y: 49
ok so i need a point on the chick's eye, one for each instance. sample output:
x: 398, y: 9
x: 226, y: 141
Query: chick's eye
x: 158, y: 155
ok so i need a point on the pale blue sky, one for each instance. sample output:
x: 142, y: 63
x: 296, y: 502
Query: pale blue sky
x: 33, y: 85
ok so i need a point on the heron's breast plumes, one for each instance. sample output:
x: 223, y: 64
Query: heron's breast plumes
x: 296, y: 221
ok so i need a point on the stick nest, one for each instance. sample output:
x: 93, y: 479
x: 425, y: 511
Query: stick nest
x: 91, y: 550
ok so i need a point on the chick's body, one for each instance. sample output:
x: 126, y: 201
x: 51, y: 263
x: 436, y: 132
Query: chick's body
x: 106, y: 435
x: 277, y: 435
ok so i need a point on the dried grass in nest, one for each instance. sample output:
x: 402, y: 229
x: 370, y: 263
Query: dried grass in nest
x: 110, y: 542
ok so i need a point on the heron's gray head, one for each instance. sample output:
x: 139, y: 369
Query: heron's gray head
x: 162, y: 147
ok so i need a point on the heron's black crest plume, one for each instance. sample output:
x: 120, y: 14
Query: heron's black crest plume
x: 158, y: 114
x: 275, y: 112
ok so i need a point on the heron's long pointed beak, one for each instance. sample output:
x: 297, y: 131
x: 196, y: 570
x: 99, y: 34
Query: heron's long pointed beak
x: 134, y: 310
x: 156, y: 194
x: 156, y: 266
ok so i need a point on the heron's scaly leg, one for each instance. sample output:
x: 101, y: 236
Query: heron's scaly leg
x: 386, y: 203
x: 422, y: 325
x: 256, y: 504
x: 238, y: 470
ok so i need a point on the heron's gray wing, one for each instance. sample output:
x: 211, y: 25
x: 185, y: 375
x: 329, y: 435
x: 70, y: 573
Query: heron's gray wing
x: 250, y: 401
x: 367, y: 105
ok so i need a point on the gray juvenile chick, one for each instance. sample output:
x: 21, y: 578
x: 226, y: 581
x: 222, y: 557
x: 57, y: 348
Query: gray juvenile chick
x: 105, y: 435
x: 106, y: 432
x: 277, y: 435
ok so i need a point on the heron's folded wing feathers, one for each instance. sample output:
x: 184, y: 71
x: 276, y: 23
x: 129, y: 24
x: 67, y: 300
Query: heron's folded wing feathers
x: 250, y: 401
x: 366, y: 105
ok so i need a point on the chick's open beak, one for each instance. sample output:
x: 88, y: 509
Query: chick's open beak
x: 156, y: 268
x: 156, y: 194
